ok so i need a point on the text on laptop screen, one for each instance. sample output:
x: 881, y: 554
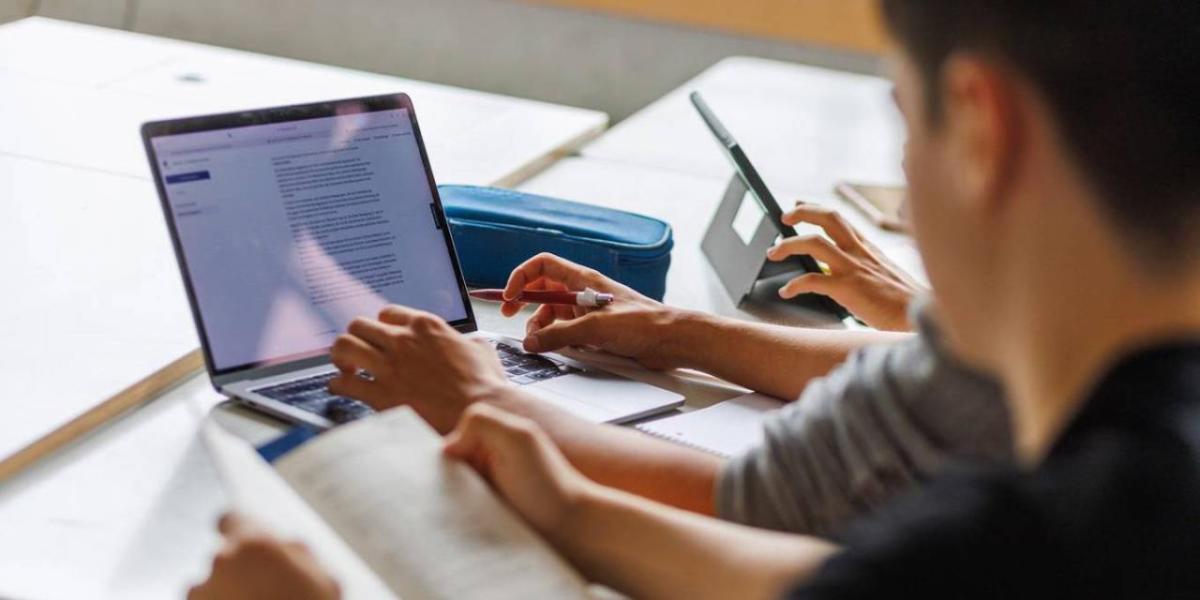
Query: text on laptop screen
x: 290, y: 230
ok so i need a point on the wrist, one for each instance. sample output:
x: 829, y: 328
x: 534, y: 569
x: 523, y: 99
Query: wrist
x: 579, y: 504
x: 500, y: 393
x: 686, y: 336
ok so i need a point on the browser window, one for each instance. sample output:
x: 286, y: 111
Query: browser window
x: 291, y: 230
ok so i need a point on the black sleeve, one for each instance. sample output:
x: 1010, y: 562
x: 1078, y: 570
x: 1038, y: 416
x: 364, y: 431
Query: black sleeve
x: 963, y: 537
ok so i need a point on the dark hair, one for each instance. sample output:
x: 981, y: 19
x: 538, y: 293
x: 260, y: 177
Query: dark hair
x: 1121, y: 77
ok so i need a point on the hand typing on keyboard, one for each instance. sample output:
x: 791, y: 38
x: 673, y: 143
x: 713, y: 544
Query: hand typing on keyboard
x: 417, y: 360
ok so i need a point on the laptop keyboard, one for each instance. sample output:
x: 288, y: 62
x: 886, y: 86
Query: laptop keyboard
x: 312, y: 393
x: 524, y: 369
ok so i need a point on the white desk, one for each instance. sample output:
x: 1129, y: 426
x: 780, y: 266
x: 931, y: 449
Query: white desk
x: 76, y: 94
x: 129, y: 513
x: 805, y: 128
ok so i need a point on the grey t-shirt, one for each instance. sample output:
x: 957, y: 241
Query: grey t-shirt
x: 882, y: 422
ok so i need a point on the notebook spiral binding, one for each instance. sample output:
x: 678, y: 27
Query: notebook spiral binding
x: 676, y: 440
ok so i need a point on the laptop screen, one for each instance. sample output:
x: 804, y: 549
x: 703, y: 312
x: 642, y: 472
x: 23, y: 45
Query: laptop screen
x: 289, y: 230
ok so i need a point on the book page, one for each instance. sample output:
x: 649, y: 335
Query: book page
x: 428, y: 526
x: 257, y: 491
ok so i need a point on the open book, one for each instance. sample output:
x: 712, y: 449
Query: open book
x: 390, y: 517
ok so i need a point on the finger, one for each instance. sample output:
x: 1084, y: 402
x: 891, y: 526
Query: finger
x: 299, y: 550
x: 235, y: 525
x: 202, y: 591
x: 542, y: 317
x: 351, y: 385
x: 512, y: 307
x: 349, y: 354
x: 560, y: 334
x: 829, y: 220
x: 396, y: 315
x: 549, y: 313
x: 809, y: 283
x: 552, y: 267
x: 401, y: 317
x: 811, y: 245
x: 509, y: 309
x: 372, y: 332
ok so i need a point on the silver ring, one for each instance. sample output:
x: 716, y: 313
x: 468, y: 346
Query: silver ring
x: 364, y: 375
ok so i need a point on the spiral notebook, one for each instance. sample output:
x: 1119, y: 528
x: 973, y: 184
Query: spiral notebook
x: 726, y: 429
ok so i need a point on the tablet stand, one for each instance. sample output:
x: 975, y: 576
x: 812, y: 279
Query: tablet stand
x: 740, y: 259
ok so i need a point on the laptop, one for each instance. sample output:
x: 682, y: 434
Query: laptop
x: 289, y: 222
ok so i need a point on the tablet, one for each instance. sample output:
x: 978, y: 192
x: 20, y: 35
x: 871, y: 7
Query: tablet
x: 758, y: 189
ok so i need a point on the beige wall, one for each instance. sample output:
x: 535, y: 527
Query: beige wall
x: 848, y: 24
x: 108, y: 13
x: 14, y: 9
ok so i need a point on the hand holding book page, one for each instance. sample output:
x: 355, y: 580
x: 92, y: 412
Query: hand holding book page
x: 428, y: 526
x: 256, y: 491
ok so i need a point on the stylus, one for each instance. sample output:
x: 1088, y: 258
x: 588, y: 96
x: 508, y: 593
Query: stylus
x: 588, y: 298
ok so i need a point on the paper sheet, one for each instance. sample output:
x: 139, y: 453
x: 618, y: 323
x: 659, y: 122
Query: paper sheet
x: 726, y: 429
x: 258, y: 492
x: 430, y: 527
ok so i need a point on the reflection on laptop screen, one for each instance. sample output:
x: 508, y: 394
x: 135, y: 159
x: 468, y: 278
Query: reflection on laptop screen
x: 290, y: 230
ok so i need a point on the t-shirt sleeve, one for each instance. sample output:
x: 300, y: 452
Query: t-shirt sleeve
x: 888, y: 418
x: 967, y: 536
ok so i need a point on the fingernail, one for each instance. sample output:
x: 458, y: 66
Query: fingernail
x: 532, y: 343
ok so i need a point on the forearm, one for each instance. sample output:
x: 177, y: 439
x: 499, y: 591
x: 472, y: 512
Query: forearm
x: 772, y: 359
x: 626, y: 459
x: 648, y: 550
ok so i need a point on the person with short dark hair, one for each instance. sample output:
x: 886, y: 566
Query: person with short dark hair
x: 1053, y: 163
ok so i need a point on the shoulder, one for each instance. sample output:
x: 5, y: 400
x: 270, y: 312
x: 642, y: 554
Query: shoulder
x: 1113, y: 515
x: 970, y: 533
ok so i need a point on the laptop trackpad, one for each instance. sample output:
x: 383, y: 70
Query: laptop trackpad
x: 573, y: 404
x: 602, y: 397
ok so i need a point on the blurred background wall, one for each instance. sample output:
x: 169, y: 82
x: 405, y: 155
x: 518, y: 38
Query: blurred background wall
x: 610, y: 55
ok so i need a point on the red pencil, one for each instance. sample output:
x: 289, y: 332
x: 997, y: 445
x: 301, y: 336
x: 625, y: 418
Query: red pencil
x: 589, y: 298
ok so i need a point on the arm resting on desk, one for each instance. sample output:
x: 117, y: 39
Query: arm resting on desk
x: 772, y: 359
x: 648, y: 550
x: 639, y: 547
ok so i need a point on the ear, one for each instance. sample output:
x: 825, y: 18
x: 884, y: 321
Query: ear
x: 982, y: 128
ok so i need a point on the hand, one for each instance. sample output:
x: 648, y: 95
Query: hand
x: 518, y: 459
x: 254, y: 565
x: 633, y: 326
x: 414, y: 358
x: 860, y: 278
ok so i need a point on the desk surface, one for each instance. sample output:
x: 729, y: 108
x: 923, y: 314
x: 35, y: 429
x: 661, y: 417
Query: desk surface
x: 76, y: 94
x: 805, y: 128
x: 129, y: 512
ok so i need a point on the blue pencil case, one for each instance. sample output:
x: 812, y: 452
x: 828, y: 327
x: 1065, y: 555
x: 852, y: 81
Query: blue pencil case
x: 496, y: 229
